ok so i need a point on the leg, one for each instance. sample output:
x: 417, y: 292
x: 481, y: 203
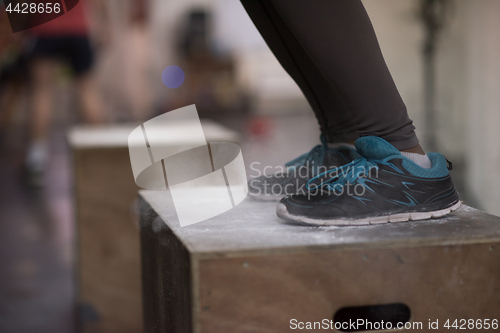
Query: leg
x: 8, y: 100
x: 43, y: 71
x: 89, y: 99
x: 334, y: 118
x: 338, y: 39
x: 81, y: 58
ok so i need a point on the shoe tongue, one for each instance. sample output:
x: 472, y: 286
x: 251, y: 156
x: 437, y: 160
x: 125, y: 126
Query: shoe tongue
x: 373, y: 147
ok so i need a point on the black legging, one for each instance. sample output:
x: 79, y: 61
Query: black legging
x: 330, y: 49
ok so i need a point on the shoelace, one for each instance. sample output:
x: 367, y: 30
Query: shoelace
x: 346, y: 174
x: 314, y: 157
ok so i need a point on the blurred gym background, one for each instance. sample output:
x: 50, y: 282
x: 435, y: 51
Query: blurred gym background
x: 443, y: 55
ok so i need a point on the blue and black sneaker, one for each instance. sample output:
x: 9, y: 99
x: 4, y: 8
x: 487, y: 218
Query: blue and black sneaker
x: 294, y: 177
x: 378, y: 186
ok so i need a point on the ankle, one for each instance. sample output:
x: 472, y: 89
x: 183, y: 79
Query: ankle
x: 419, y: 159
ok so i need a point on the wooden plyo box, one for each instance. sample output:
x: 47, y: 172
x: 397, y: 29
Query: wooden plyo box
x: 248, y: 271
x: 108, y: 243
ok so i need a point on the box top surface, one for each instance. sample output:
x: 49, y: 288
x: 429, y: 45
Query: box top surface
x: 116, y: 136
x: 253, y: 227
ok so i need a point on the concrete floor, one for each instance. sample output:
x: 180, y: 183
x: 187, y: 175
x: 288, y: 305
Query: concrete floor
x: 37, y: 282
x: 36, y: 243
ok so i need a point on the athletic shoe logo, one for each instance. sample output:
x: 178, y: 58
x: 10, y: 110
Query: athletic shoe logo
x: 204, y: 179
x: 26, y: 14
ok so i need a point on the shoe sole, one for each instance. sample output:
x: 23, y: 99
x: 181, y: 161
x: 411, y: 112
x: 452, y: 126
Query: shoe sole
x: 282, y: 212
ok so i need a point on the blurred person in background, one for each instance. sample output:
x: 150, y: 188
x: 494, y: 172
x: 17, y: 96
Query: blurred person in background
x: 67, y: 39
x: 370, y: 167
x: 135, y: 48
x: 125, y: 70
